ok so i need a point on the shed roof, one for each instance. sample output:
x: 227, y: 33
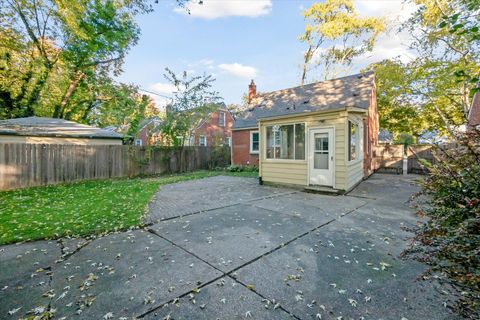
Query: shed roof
x: 351, y: 91
x: 50, y: 127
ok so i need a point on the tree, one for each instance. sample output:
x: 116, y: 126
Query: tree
x: 58, y: 56
x: 434, y: 90
x: 448, y: 41
x: 335, y: 34
x: 192, y: 101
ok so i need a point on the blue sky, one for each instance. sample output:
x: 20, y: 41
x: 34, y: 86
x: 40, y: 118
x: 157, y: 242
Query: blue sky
x: 237, y: 41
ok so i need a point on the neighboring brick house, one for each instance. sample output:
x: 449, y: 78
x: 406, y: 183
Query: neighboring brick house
x: 474, y: 113
x: 245, y: 135
x: 319, y: 135
x: 148, y: 132
x: 216, y: 130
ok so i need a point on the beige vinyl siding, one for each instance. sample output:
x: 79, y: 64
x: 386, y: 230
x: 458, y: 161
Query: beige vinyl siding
x: 355, y: 173
x: 58, y: 140
x: 296, y: 171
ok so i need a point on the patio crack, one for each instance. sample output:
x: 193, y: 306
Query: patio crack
x: 231, y: 273
x: 221, y: 207
x: 223, y: 274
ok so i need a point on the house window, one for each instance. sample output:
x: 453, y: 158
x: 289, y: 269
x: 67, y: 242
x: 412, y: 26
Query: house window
x: 354, y: 141
x: 228, y: 141
x: 202, y: 141
x: 254, y: 141
x: 221, y: 119
x: 286, y: 142
x: 138, y: 142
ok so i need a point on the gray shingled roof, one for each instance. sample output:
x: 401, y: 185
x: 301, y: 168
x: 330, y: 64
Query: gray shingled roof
x: 350, y: 91
x: 50, y: 127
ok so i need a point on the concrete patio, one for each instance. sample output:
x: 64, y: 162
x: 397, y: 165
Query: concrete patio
x: 227, y: 248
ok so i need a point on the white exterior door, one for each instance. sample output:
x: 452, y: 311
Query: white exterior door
x: 320, y: 157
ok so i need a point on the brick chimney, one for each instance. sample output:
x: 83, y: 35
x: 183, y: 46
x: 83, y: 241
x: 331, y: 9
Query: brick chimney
x: 474, y: 114
x: 252, y: 91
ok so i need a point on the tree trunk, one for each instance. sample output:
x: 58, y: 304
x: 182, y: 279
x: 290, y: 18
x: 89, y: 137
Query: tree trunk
x: 60, y: 108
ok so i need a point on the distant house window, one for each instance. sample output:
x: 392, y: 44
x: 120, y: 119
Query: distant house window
x: 286, y: 142
x: 355, y: 139
x: 228, y: 141
x: 138, y: 142
x: 202, y: 141
x: 221, y: 119
x: 254, y: 141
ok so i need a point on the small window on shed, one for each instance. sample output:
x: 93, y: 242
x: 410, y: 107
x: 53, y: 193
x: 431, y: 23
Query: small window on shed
x: 355, y: 140
x: 138, y: 142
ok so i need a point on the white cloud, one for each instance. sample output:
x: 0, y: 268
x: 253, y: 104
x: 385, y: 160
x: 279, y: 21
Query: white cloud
x: 213, y: 9
x: 238, y: 70
x: 160, y: 92
x: 393, y: 10
x: 393, y: 43
x: 162, y: 88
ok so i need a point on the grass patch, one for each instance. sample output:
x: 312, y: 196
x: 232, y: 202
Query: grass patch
x: 83, y: 208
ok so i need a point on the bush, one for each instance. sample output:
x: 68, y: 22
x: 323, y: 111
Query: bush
x: 236, y: 168
x: 450, y: 241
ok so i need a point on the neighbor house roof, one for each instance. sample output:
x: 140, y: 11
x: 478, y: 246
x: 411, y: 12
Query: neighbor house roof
x: 350, y: 91
x: 50, y: 127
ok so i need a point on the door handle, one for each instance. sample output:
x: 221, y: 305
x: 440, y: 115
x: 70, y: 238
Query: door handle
x: 331, y: 158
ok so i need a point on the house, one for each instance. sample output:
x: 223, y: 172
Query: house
x: 148, y: 132
x: 320, y: 134
x: 474, y: 113
x: 214, y: 130
x: 55, y: 131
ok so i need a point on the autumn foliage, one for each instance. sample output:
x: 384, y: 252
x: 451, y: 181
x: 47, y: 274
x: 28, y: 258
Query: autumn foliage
x: 450, y: 240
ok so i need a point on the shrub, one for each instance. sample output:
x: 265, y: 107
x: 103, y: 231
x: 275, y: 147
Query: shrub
x: 236, y: 168
x: 450, y: 241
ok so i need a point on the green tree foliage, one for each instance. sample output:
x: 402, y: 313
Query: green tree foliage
x: 192, y: 101
x: 335, y: 34
x: 450, y: 240
x: 434, y: 90
x: 57, y: 58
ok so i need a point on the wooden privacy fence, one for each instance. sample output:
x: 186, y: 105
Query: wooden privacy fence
x: 388, y: 158
x: 415, y: 154
x: 26, y: 165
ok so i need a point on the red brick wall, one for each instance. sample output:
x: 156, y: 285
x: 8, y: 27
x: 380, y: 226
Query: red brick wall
x: 215, y: 134
x: 371, y: 125
x: 241, y: 148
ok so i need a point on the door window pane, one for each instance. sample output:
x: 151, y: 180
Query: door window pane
x: 320, y: 160
x: 321, y: 154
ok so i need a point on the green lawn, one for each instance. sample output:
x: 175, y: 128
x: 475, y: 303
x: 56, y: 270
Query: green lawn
x: 83, y: 208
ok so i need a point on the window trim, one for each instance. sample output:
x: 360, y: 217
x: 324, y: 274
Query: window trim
x: 264, y: 156
x: 229, y: 141
x: 224, y: 119
x: 251, y: 142
x: 205, y: 140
